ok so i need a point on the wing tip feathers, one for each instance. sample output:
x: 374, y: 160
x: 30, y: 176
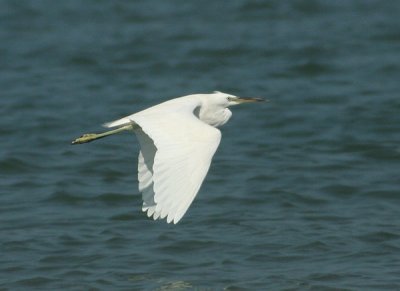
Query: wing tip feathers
x: 151, y: 212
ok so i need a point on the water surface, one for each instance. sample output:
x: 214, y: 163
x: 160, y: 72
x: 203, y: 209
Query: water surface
x: 303, y: 192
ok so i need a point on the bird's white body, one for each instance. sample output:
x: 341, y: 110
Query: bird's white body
x: 178, y: 139
x: 202, y: 106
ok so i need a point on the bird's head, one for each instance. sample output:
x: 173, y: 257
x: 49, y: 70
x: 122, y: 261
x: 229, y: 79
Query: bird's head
x: 227, y: 100
x: 214, y: 107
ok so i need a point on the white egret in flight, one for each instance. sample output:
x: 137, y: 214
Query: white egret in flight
x: 178, y: 139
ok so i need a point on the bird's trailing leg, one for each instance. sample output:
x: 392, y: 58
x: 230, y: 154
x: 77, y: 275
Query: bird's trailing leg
x: 88, y: 137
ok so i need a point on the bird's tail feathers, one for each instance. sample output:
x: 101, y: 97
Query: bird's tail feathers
x: 119, y: 122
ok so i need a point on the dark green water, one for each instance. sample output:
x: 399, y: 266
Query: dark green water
x: 303, y: 192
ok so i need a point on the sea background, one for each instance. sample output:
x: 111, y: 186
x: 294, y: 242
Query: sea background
x: 303, y: 192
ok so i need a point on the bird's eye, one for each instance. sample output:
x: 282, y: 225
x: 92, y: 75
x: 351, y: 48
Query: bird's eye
x: 229, y: 98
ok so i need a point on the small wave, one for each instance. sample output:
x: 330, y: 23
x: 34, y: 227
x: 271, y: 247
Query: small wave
x: 378, y: 236
x: 312, y: 69
x: 65, y: 198
x: 13, y: 165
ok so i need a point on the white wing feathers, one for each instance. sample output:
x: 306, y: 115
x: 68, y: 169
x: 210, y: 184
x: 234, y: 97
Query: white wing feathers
x: 176, y: 153
x: 145, y: 170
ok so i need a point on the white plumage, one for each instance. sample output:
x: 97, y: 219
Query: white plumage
x: 178, y: 139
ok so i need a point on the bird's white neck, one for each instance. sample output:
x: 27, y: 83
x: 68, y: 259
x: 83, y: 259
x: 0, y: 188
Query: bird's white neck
x: 214, y: 117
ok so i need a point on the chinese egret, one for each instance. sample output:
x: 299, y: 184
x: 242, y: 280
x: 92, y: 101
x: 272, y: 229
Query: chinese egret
x: 178, y: 139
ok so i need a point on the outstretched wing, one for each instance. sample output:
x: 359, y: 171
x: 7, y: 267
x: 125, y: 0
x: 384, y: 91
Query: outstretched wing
x: 145, y: 170
x: 176, y: 153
